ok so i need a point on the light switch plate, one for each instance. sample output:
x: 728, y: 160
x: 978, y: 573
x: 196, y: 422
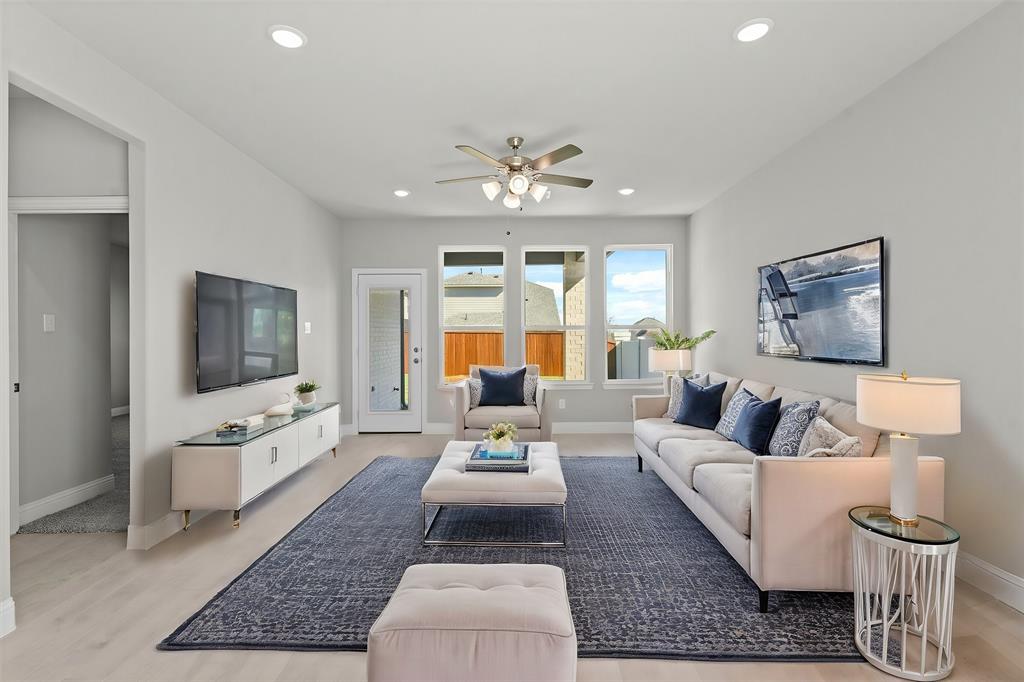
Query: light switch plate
x: 309, y: 327
x: 561, y: 403
x: 49, y: 323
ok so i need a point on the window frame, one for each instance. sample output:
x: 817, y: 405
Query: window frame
x: 558, y: 248
x: 441, y: 251
x: 669, y: 306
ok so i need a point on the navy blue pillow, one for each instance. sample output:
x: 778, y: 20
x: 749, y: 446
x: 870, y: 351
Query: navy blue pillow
x: 502, y: 388
x: 701, y: 406
x: 755, y: 424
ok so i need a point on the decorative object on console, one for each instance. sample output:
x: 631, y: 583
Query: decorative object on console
x: 907, y: 405
x: 827, y: 306
x: 502, y: 388
x: 672, y: 352
x: 794, y: 420
x: 282, y: 409
x: 675, y: 391
x: 701, y: 407
x: 754, y: 425
x: 306, y: 392
x: 822, y: 439
x: 500, y: 436
x: 727, y: 423
x: 245, y: 424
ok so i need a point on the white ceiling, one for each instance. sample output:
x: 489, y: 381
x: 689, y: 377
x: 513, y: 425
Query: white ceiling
x: 658, y: 94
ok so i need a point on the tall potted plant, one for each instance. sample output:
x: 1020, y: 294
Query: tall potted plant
x: 672, y: 351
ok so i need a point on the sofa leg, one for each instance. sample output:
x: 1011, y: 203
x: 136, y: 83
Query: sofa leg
x: 639, y: 463
x: 762, y: 598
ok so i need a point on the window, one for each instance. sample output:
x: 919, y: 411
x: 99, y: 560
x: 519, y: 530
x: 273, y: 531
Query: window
x: 637, y: 302
x: 555, y: 311
x: 472, y: 309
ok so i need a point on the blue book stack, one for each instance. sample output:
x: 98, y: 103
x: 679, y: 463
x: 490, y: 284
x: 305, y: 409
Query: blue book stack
x: 516, y: 461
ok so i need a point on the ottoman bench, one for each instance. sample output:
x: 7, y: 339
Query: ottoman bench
x: 475, y: 622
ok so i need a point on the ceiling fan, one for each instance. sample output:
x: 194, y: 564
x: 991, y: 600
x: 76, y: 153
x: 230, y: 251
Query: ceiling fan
x: 521, y: 174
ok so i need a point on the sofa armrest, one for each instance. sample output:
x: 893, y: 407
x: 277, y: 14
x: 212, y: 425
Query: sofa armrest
x: 544, y: 408
x: 800, y: 535
x: 462, y: 402
x: 649, y: 406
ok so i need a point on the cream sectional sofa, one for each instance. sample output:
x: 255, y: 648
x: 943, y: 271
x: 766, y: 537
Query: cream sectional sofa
x: 784, y: 519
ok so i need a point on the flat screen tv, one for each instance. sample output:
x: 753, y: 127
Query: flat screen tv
x: 827, y: 306
x: 246, y: 332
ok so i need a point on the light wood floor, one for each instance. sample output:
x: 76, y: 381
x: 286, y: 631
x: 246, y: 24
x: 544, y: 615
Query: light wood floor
x: 88, y: 609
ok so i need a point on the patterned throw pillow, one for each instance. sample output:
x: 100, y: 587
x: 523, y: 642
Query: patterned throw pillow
x: 476, y: 388
x: 794, y: 419
x: 825, y: 440
x: 732, y: 412
x: 530, y: 388
x: 676, y: 393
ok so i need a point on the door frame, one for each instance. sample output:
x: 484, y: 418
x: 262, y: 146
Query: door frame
x: 421, y: 392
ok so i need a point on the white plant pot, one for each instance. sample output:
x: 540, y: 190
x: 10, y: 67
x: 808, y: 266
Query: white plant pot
x: 307, y: 398
x: 503, y: 445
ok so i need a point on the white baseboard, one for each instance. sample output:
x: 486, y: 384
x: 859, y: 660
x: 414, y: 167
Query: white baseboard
x: 1004, y: 586
x: 152, y: 534
x: 119, y: 411
x: 64, y: 499
x: 591, y: 427
x: 348, y: 430
x: 6, y: 616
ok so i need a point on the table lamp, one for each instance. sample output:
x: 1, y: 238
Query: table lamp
x: 667, y: 361
x: 907, y: 405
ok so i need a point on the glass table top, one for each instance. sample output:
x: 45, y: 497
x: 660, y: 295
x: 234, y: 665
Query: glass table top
x: 270, y: 424
x: 929, y: 531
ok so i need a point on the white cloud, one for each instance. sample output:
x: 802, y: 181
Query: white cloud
x: 632, y: 310
x: 640, y: 282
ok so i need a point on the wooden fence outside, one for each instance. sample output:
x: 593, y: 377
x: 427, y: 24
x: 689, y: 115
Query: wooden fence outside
x: 462, y: 349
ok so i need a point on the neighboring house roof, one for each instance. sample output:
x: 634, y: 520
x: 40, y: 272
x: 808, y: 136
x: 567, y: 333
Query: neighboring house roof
x: 541, y: 308
x: 650, y: 323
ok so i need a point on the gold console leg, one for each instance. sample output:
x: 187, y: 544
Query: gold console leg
x: 187, y: 523
x: 237, y: 514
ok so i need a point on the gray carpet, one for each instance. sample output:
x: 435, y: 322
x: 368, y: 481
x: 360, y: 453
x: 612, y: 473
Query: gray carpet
x: 104, y: 513
x: 645, y: 578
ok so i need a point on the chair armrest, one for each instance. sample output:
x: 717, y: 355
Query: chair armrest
x: 462, y: 402
x: 545, y: 412
x: 649, y: 406
x: 799, y: 528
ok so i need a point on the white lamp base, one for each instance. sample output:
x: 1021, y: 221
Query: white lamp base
x: 903, y: 480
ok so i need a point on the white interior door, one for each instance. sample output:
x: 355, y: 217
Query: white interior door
x: 390, y: 353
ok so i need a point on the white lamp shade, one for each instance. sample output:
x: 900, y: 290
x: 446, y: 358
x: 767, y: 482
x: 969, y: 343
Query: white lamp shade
x: 518, y: 184
x: 915, y: 405
x: 669, y: 360
x: 511, y: 200
x: 537, y: 191
x: 491, y: 189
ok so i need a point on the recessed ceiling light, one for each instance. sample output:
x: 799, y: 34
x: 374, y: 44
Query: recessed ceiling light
x: 755, y: 29
x: 626, y: 191
x: 286, y: 36
x: 401, y: 193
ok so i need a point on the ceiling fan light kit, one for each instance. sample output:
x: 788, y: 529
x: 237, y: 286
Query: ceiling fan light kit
x: 521, y: 174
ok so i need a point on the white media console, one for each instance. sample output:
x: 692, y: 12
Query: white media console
x: 226, y: 471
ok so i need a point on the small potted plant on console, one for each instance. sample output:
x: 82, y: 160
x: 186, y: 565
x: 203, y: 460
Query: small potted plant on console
x: 306, y: 392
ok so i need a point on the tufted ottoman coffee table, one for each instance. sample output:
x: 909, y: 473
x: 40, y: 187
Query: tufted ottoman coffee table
x: 451, y: 485
x: 475, y: 622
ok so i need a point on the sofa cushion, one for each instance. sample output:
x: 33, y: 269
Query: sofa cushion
x: 502, y: 388
x: 523, y: 416
x: 726, y: 487
x: 656, y: 429
x: 825, y: 440
x: 762, y: 391
x: 794, y: 419
x: 732, y: 412
x: 793, y: 395
x: 675, y: 392
x: 843, y: 416
x: 683, y: 456
x: 755, y: 423
x: 732, y: 384
x: 700, y: 405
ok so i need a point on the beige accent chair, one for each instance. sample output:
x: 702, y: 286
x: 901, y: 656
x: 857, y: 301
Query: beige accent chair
x: 784, y: 519
x: 533, y: 421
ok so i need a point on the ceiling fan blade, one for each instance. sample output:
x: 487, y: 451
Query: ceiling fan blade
x: 557, y: 156
x: 475, y: 177
x: 489, y: 160
x: 567, y: 180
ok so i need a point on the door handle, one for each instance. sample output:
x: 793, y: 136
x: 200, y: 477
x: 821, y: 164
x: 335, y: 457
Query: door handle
x: 320, y: 432
x: 273, y: 454
x: 415, y: 361
x: 415, y: 349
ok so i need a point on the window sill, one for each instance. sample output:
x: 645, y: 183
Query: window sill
x: 656, y: 385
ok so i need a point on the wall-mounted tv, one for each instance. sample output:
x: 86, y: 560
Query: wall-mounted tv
x: 827, y: 306
x: 246, y: 332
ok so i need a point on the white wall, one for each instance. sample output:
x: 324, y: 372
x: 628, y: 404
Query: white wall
x: 197, y: 203
x: 64, y: 271
x: 932, y: 161
x: 414, y: 244
x: 119, y: 325
x: 56, y: 154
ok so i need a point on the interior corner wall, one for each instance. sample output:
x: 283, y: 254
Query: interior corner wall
x: 203, y: 205
x: 120, y: 327
x: 413, y: 243
x: 932, y: 161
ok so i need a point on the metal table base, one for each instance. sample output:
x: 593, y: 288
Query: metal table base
x: 486, y: 543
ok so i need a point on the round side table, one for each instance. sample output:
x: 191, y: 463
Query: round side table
x: 903, y: 579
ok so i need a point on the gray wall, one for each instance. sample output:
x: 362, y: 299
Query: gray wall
x: 414, y: 244
x: 932, y: 161
x: 63, y: 264
x: 119, y: 328
x: 53, y: 153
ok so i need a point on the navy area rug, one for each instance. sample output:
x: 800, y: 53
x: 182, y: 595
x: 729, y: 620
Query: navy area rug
x: 645, y: 578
